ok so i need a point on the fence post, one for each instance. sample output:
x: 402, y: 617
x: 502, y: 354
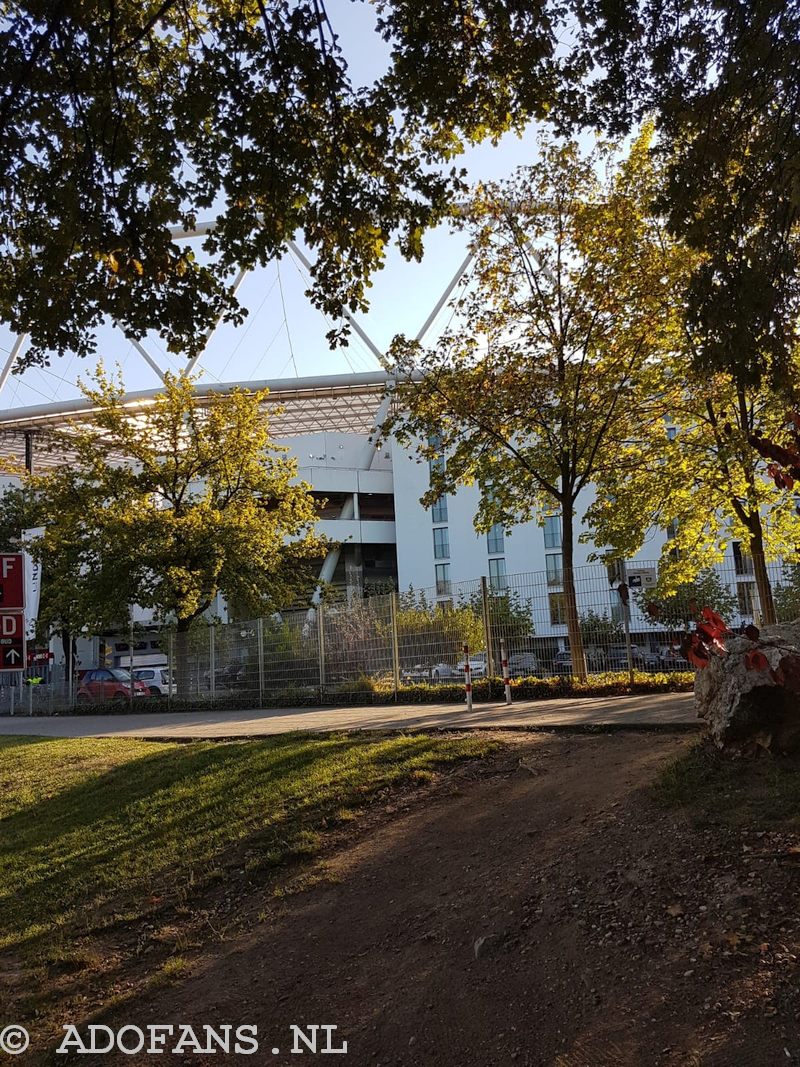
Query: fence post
x: 395, y: 644
x: 467, y: 677
x: 487, y: 629
x: 11, y: 699
x: 171, y: 682
x: 321, y: 647
x: 625, y: 598
x: 212, y: 663
x: 260, y: 638
x: 130, y: 658
x: 506, y: 675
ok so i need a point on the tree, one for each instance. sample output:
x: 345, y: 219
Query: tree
x: 167, y: 506
x: 427, y: 633
x: 679, y: 607
x: 530, y: 396
x: 120, y: 120
x: 787, y: 594
x: 599, y: 628
x: 721, y: 81
x: 702, y: 480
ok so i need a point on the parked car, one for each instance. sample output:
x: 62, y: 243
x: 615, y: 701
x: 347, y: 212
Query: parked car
x: 595, y: 660
x: 673, y: 659
x: 424, y: 672
x: 234, y: 676
x: 107, y: 685
x: 478, y: 664
x: 157, y: 680
x: 643, y: 658
x: 523, y: 665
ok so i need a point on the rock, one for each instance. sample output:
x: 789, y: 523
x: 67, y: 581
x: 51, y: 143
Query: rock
x: 484, y: 945
x: 746, y: 709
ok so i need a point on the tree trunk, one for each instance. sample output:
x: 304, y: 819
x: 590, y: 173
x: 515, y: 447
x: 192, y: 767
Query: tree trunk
x: 570, y: 597
x: 70, y: 661
x: 182, y: 666
x: 763, y: 585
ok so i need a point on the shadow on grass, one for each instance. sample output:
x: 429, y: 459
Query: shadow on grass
x: 173, y: 814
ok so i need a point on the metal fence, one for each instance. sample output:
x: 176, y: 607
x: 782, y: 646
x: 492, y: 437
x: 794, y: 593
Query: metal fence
x: 373, y: 648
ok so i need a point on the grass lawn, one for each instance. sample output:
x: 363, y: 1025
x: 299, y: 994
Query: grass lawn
x: 709, y: 786
x: 96, y: 830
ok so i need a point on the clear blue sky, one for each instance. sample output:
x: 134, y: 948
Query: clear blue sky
x: 283, y: 335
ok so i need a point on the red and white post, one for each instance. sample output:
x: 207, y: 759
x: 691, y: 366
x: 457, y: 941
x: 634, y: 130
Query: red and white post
x: 467, y: 677
x: 506, y: 675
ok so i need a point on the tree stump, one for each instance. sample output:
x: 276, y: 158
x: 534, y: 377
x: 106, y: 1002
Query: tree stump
x: 750, y: 696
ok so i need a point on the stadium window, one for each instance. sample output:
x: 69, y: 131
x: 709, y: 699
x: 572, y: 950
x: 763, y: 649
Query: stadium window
x: 742, y: 561
x: 439, y: 510
x: 558, y: 611
x: 552, y: 531
x: 497, y: 574
x: 495, y: 540
x: 443, y: 587
x: 746, y: 595
x: 554, y: 567
x: 441, y: 543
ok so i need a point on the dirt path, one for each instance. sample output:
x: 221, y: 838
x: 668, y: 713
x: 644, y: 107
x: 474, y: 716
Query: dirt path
x: 605, y: 939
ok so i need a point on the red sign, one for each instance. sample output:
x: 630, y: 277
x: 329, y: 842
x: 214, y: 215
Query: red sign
x: 12, y: 640
x: 12, y: 582
x: 38, y: 656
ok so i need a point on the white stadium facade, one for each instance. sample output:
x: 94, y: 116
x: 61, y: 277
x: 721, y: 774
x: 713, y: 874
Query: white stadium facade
x: 371, y: 485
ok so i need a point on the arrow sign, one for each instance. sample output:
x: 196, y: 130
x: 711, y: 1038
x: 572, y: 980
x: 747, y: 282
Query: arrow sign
x: 12, y: 641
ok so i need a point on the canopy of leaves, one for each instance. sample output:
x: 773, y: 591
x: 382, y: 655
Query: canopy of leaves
x: 702, y: 479
x: 119, y: 120
x: 168, y: 505
x: 427, y: 632
x: 530, y: 395
x: 722, y: 80
x: 679, y: 608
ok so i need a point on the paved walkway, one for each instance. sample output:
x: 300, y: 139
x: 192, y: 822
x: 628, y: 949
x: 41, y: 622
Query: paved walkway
x: 660, y: 709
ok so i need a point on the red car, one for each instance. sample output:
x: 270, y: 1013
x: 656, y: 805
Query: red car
x: 107, y: 685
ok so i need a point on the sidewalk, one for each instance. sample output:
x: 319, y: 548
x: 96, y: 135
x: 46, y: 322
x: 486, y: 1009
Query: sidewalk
x: 659, y: 709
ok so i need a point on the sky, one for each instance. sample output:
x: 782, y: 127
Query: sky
x: 283, y: 335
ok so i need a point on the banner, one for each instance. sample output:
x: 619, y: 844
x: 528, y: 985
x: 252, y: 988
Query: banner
x: 33, y: 583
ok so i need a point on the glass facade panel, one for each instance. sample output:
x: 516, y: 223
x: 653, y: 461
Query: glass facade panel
x: 555, y: 570
x: 746, y: 595
x: 497, y: 574
x: 441, y: 543
x: 443, y: 587
x: 552, y: 531
x: 495, y: 540
x: 558, y: 613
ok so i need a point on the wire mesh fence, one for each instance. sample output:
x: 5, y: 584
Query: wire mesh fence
x: 385, y: 647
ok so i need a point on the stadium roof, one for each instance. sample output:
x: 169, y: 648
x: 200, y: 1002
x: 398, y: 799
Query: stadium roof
x: 343, y: 403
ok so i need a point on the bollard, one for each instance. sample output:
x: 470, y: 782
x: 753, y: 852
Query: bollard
x: 467, y: 677
x: 506, y: 675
